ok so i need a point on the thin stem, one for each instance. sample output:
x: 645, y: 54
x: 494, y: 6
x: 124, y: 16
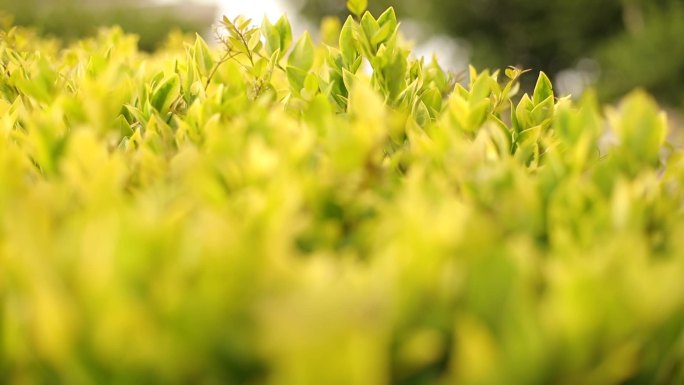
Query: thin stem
x: 227, y: 56
x: 247, y: 50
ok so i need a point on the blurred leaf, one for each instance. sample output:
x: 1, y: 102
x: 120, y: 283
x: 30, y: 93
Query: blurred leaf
x: 302, y: 55
x: 165, y: 93
x: 357, y: 7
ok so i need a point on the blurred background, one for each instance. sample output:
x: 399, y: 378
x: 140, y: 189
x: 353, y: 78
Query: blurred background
x: 615, y: 45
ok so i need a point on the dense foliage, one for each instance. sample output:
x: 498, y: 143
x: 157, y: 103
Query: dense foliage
x: 278, y: 212
x: 634, y: 42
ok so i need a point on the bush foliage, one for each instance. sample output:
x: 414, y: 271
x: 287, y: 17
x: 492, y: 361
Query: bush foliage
x: 633, y: 43
x: 278, y: 212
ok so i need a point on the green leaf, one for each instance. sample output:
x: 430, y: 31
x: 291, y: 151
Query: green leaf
x: 134, y: 115
x: 382, y: 34
x: 478, y: 115
x: 522, y: 113
x: 369, y: 26
x: 356, y: 64
x: 542, y: 112
x: 243, y: 23
x: 367, y: 107
x: 347, y: 43
x: 310, y: 86
x: 511, y: 73
x: 433, y: 101
x: 202, y: 56
x: 348, y: 78
x: 329, y: 31
x: 302, y: 56
x: 389, y: 17
x: 285, y: 33
x: 357, y: 7
x: 296, y: 77
x: 481, y: 88
x: 543, y: 89
x: 191, y: 76
x: 254, y: 41
x: 164, y: 94
x: 527, y: 150
x: 640, y: 127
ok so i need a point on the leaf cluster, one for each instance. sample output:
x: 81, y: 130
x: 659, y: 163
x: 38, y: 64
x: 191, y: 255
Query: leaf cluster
x: 281, y: 211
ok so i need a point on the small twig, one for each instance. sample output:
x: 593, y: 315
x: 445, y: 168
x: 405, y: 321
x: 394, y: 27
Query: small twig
x: 247, y: 50
x: 277, y: 64
x: 227, y: 56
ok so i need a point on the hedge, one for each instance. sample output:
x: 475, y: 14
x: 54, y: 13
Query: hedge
x: 280, y: 211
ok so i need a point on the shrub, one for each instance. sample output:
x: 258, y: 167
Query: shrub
x: 278, y: 212
x: 632, y: 42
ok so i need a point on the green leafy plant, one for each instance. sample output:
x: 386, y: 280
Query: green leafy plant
x: 618, y: 44
x: 282, y: 211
